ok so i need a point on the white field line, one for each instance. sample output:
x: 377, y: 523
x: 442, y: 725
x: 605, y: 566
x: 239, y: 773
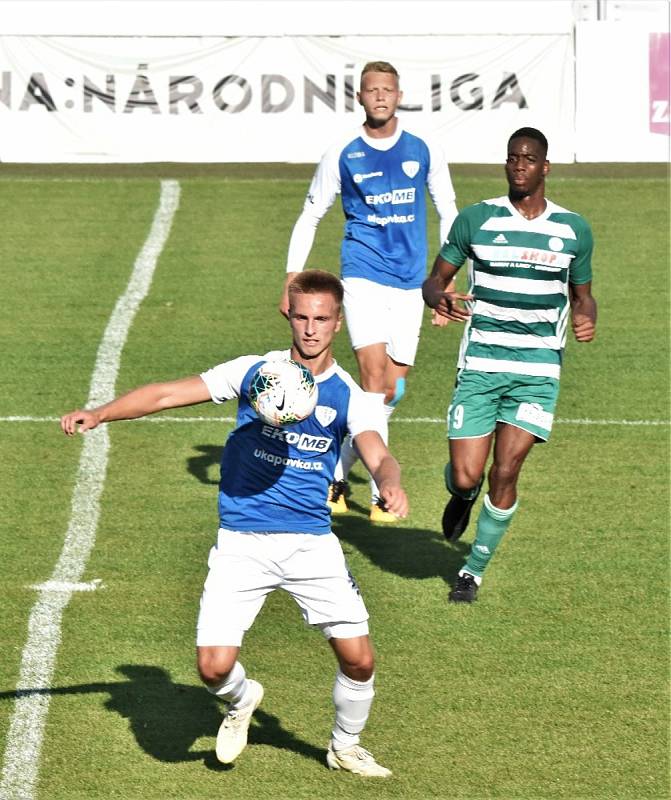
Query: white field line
x: 24, y: 740
x: 68, y: 586
x: 393, y: 420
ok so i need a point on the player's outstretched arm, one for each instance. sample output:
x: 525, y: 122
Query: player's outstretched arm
x: 385, y: 470
x: 438, y: 292
x: 583, y: 311
x: 138, y: 403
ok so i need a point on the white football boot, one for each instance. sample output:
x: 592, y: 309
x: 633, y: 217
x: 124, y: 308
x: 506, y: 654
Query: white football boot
x: 232, y: 736
x: 357, y: 760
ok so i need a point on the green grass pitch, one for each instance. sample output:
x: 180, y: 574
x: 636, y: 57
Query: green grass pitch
x: 555, y: 684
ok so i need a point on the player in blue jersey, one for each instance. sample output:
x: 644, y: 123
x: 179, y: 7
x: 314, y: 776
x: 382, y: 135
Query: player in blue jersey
x: 531, y: 268
x: 274, y: 520
x: 381, y: 171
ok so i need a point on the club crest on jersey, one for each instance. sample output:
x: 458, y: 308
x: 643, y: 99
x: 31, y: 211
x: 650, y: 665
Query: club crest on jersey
x: 325, y: 415
x: 411, y: 168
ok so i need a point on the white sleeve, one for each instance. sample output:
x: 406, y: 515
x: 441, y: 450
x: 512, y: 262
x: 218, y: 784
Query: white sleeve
x: 366, y: 413
x: 321, y: 194
x: 439, y: 184
x: 224, y: 380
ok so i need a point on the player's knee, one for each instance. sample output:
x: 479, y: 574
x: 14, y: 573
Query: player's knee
x: 356, y: 658
x: 214, y: 666
x: 372, y: 369
x: 360, y: 670
x: 504, y: 476
x: 373, y: 381
x: 463, y: 477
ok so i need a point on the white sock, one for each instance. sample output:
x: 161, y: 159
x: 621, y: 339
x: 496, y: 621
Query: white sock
x: 234, y: 689
x: 374, y: 491
x: 352, y: 700
x: 348, y: 458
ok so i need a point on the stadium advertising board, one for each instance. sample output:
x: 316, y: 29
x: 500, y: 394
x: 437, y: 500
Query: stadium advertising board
x: 623, y: 108
x: 238, y: 99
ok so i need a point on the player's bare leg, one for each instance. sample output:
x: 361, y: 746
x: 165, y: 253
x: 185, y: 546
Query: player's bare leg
x: 511, y: 447
x: 463, y: 479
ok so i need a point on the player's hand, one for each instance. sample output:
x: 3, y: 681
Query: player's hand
x: 395, y: 500
x: 449, y: 307
x: 438, y: 320
x: 584, y: 327
x: 284, y: 300
x: 79, y: 421
x: 284, y: 303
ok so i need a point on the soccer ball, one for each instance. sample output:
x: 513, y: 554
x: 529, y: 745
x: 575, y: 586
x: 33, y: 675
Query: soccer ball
x: 283, y: 392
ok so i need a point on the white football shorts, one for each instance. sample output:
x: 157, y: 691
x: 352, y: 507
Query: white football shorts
x: 244, y: 568
x: 383, y: 314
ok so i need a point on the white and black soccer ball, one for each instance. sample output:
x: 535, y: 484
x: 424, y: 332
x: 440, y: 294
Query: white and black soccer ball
x: 283, y: 392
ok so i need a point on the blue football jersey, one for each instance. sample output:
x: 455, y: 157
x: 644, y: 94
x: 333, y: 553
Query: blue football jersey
x: 383, y: 185
x: 277, y: 479
x: 384, y: 202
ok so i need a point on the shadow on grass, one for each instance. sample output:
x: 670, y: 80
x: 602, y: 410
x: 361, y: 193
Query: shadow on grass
x: 167, y: 719
x: 407, y: 552
x: 200, y: 466
x: 415, y: 553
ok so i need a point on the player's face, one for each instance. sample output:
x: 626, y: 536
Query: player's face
x: 315, y: 319
x: 380, y: 96
x: 526, y: 166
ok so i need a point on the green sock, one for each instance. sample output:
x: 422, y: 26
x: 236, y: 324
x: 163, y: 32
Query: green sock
x: 492, y: 524
x: 469, y: 494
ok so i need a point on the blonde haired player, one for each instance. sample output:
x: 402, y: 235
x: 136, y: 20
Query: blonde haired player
x: 381, y: 170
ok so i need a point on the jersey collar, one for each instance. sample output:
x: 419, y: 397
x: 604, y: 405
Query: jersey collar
x: 387, y: 142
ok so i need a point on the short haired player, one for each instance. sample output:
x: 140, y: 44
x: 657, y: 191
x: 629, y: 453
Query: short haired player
x: 531, y: 269
x: 381, y: 170
x: 274, y: 523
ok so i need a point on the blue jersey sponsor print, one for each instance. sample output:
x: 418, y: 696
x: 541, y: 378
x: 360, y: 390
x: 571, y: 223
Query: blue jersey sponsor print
x: 384, y: 202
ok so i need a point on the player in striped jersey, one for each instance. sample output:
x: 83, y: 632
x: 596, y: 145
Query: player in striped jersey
x: 381, y: 170
x: 530, y: 270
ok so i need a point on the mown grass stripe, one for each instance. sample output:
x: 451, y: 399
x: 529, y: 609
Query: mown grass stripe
x: 24, y: 740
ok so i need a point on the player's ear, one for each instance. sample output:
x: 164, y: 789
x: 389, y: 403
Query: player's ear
x: 358, y: 98
x: 339, y: 322
x: 546, y: 168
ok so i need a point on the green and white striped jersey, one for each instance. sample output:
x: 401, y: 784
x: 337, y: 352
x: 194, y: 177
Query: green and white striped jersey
x: 519, y: 275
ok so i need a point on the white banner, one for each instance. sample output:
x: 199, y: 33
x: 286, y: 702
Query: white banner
x: 623, y: 93
x: 216, y: 99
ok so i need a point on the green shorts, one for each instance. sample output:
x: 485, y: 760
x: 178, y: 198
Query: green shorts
x: 481, y: 399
